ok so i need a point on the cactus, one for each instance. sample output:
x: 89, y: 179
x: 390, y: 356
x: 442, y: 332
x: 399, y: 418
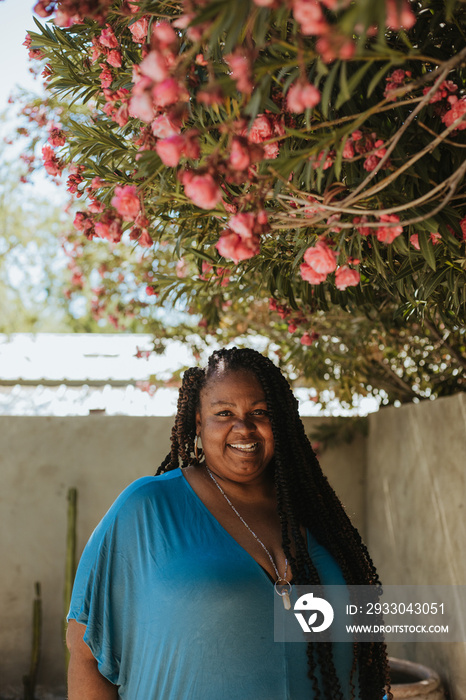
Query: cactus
x: 70, y: 564
x: 29, y: 680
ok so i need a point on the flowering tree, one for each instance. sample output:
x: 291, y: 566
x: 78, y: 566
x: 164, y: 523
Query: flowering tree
x: 307, y: 152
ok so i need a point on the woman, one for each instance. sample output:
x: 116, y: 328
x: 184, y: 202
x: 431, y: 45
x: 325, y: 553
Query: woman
x: 173, y: 598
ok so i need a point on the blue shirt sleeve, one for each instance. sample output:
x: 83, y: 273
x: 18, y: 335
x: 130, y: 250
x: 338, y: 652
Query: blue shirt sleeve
x: 103, y: 579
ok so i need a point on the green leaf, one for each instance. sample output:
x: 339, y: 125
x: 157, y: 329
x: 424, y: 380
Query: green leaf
x: 433, y: 281
x: 427, y: 249
x: 378, y: 77
x: 351, y: 84
x: 327, y: 90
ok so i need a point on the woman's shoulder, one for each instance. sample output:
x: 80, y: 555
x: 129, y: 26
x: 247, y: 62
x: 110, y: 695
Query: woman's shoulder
x: 148, y: 494
x: 149, y: 485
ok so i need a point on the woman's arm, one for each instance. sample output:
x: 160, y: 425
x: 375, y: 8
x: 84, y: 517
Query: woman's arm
x: 85, y: 682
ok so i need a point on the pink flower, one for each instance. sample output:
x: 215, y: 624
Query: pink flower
x: 328, y: 162
x: 144, y: 239
x: 399, y: 17
x: 334, y: 45
x: 457, y: 111
x: 168, y: 92
x: 348, y: 149
x: 371, y: 162
x: 114, y: 59
x: 308, y: 338
x: 150, y: 291
x: 164, y: 35
x: 202, y: 190
x: 126, y: 202
x: 57, y: 138
x: 108, y: 38
x: 139, y: 30
x: 163, y: 126
x: 301, y: 96
x: 321, y: 258
x: 387, y: 234
x: 292, y: 327
x: 463, y: 228
x: 363, y: 230
x: 346, y: 277
x: 43, y: 8
x: 414, y: 240
x: 310, y: 16
x: 239, y: 155
x: 111, y: 230
x: 231, y: 245
x: 181, y: 268
x: 170, y: 150
x: 106, y: 77
x: 310, y: 275
x: 211, y: 95
x: 155, y: 66
x: 243, y: 224
x: 121, y: 115
x: 241, y: 73
x: 261, y: 129
x: 435, y: 238
x: 446, y: 90
x: 52, y: 164
x: 141, y: 107
x: 396, y: 80
x: 96, y: 183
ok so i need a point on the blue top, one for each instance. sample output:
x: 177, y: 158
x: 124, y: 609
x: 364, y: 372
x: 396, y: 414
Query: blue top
x: 175, y: 608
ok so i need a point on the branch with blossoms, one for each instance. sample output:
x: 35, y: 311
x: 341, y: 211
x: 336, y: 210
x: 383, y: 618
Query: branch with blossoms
x: 312, y: 147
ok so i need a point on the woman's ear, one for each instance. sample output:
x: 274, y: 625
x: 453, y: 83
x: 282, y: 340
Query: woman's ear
x: 198, y: 422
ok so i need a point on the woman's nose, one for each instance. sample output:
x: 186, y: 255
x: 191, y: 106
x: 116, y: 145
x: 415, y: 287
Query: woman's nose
x: 245, y: 424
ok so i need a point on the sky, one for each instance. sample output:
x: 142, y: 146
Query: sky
x: 15, y: 20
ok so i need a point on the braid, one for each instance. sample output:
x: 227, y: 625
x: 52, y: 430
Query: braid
x: 184, y: 431
x: 304, y: 498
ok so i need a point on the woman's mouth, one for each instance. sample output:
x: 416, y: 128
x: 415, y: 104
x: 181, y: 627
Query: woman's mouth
x: 244, y: 447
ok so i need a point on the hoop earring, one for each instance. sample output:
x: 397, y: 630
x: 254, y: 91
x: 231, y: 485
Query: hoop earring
x: 198, y: 452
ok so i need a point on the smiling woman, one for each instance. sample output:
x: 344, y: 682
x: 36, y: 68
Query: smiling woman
x: 174, y: 595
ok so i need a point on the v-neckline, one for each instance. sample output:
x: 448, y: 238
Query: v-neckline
x: 225, y: 531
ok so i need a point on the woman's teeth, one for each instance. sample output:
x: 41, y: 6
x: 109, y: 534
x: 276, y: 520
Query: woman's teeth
x: 245, y: 448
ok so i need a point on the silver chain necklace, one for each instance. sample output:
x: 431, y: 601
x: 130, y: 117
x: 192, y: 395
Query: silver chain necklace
x: 282, y: 586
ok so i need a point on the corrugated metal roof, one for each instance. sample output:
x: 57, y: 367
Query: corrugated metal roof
x: 75, y: 359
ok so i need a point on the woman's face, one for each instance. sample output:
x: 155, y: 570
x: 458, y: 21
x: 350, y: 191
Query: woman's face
x: 234, y: 426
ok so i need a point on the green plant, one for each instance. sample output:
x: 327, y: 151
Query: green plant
x: 70, y: 563
x: 29, y: 680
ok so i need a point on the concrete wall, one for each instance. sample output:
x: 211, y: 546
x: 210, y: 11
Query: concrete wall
x: 40, y: 459
x: 415, y: 515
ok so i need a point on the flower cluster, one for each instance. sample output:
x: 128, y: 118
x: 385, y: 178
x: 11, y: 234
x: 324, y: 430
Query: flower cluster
x: 320, y: 260
x: 241, y: 240
x: 367, y: 145
x: 387, y: 229
x: 69, y: 12
x: 257, y: 139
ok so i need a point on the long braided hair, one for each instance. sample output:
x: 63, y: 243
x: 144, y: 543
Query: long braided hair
x: 304, y: 498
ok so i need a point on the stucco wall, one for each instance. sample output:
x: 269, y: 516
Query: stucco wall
x: 416, y: 493
x: 40, y: 459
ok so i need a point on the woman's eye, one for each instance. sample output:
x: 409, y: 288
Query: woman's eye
x: 224, y: 413
x: 260, y: 412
